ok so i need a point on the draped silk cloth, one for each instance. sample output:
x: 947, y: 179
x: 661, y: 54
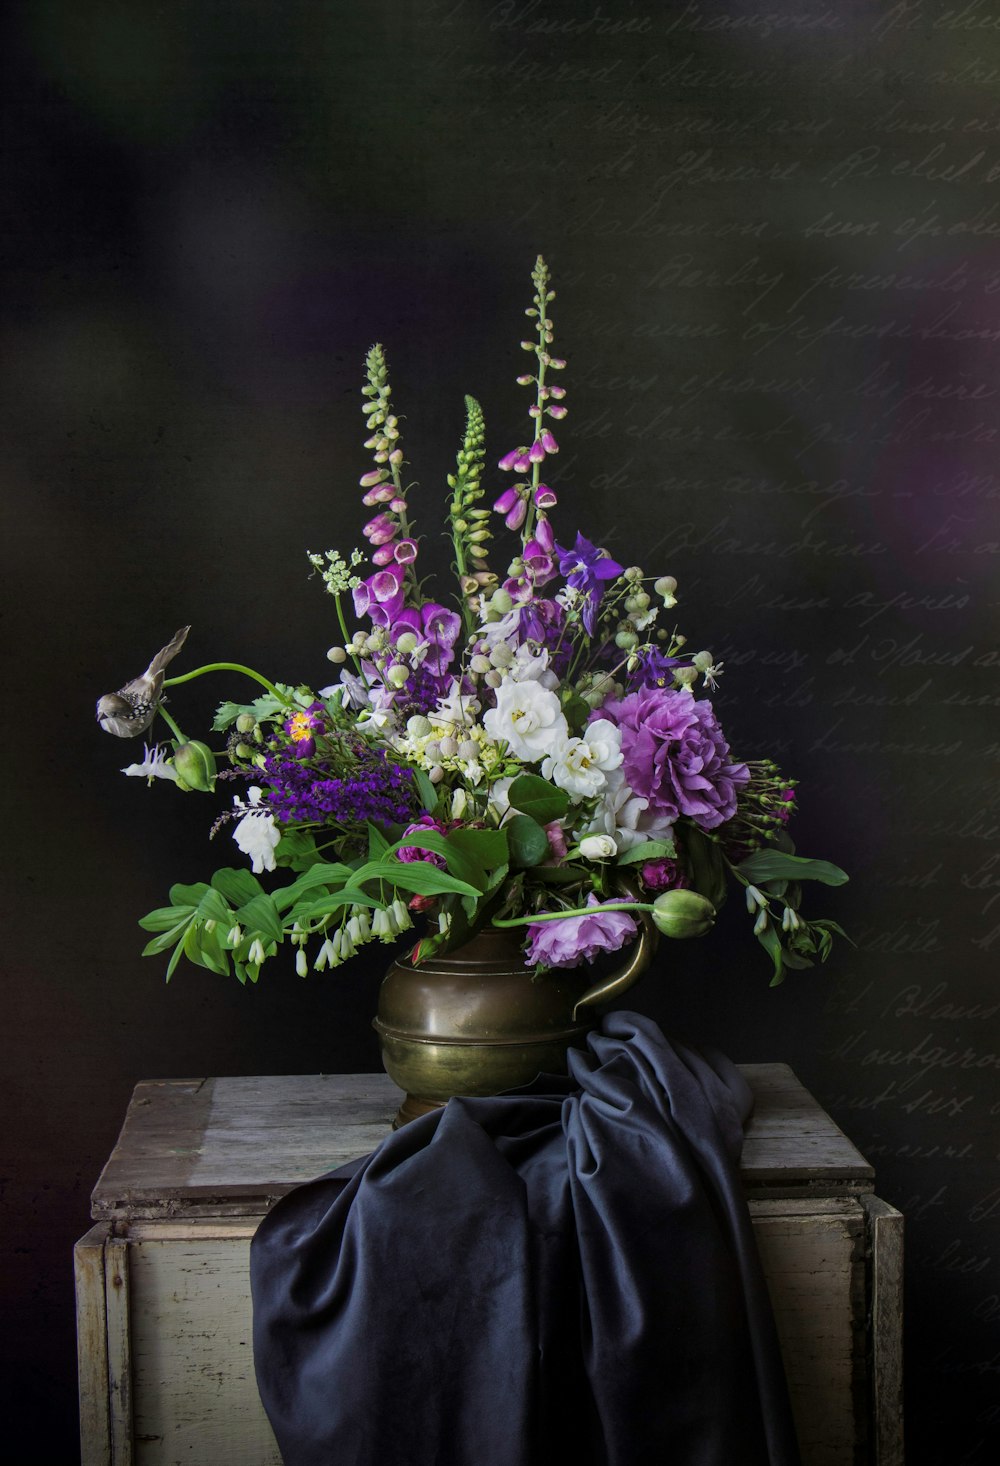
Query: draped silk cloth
x: 564, y: 1275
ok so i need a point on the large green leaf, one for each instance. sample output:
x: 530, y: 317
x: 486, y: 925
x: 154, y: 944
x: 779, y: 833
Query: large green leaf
x: 538, y: 798
x: 705, y: 866
x: 202, y: 947
x: 259, y: 918
x: 165, y: 918
x: 527, y: 842
x: 426, y: 791
x: 188, y: 895
x: 460, y: 863
x: 238, y: 886
x: 323, y: 873
x: 424, y: 879
x: 774, y: 865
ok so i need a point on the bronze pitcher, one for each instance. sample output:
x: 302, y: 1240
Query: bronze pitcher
x: 478, y: 1021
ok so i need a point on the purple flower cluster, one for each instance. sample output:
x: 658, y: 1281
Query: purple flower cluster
x: 374, y: 789
x: 675, y: 755
x: 586, y: 568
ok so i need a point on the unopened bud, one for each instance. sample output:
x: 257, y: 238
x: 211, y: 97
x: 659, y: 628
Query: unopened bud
x: 683, y: 913
x: 195, y: 765
x: 337, y: 655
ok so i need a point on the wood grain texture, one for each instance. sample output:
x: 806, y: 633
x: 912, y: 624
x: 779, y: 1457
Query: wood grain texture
x: 92, y: 1347
x: 117, y: 1257
x: 232, y: 1146
x: 885, y: 1285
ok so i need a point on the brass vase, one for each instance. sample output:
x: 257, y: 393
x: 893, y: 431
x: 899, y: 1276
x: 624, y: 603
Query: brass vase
x: 478, y: 1021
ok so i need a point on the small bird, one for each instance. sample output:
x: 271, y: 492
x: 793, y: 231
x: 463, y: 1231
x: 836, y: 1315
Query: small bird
x: 129, y: 711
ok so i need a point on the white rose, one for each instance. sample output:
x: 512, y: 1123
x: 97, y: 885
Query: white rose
x: 598, y: 847
x: 582, y: 765
x: 528, y: 719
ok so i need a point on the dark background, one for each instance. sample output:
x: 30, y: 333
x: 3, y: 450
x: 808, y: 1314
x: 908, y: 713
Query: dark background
x: 775, y: 235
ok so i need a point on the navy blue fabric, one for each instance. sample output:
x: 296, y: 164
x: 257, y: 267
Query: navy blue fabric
x: 562, y: 1274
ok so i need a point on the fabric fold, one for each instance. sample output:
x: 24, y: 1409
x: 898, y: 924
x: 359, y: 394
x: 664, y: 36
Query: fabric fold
x: 566, y: 1273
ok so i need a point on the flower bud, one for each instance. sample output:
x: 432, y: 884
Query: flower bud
x: 501, y: 601
x: 598, y: 847
x: 398, y: 675
x: 681, y: 913
x: 627, y: 640
x: 685, y: 676
x: 449, y: 747
x: 337, y: 655
x: 406, y: 643
x: 468, y: 750
x: 246, y: 723
x: 195, y: 765
x: 480, y: 665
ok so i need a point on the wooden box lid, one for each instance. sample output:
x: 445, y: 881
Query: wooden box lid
x: 231, y: 1146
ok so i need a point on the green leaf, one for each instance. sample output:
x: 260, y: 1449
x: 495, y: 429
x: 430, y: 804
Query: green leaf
x: 202, y: 948
x: 323, y: 873
x: 527, y: 842
x: 259, y: 918
x: 238, y: 886
x: 424, y: 879
x: 377, y: 843
x: 426, y: 791
x: 649, y: 850
x: 187, y: 895
x: 771, y: 943
x: 309, y: 910
x: 773, y: 865
x: 166, y: 940
x: 459, y: 862
x: 797, y: 960
x: 486, y: 849
x: 165, y: 918
x: 538, y: 798
x: 705, y: 866
x: 296, y: 848
x: 576, y: 710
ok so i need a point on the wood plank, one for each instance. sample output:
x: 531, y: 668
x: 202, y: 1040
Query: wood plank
x: 196, y: 1400
x: 885, y: 1269
x: 116, y: 1297
x: 233, y: 1145
x: 814, y: 1264
x: 92, y: 1347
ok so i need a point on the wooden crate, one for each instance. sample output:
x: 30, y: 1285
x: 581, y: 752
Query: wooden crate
x: 163, y: 1291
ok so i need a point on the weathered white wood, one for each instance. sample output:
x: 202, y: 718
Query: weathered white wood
x: 116, y: 1300
x: 92, y: 1347
x: 885, y: 1271
x: 196, y: 1396
x: 232, y: 1146
x: 813, y: 1255
x: 200, y: 1162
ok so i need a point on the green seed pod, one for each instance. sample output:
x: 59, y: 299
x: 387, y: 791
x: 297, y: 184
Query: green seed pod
x: 246, y: 723
x: 195, y: 765
x: 683, y: 913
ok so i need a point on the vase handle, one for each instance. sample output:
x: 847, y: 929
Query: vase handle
x: 640, y: 956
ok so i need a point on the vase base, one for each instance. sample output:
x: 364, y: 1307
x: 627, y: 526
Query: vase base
x: 413, y: 1107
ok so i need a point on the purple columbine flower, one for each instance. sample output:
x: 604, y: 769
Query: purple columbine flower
x: 301, y: 728
x: 675, y: 755
x: 654, y: 669
x: 586, y: 568
x: 576, y: 939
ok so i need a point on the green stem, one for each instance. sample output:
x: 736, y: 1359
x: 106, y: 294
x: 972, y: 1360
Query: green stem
x: 227, y: 667
x: 576, y: 911
x: 171, y: 724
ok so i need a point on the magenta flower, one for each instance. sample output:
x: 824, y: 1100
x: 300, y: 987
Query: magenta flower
x: 576, y: 939
x: 675, y: 755
x: 536, y: 452
x: 384, y: 555
x: 548, y: 442
x: 380, y: 597
x: 545, y: 497
x: 517, y: 515
x: 381, y: 529
x: 506, y: 501
x: 372, y: 477
x: 381, y: 494
x: 540, y: 565
x: 517, y: 459
x: 557, y: 411
x: 543, y: 533
x: 404, y: 552
x: 408, y: 853
x: 662, y: 875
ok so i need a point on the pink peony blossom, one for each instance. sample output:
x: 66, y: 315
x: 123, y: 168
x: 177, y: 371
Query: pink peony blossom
x: 576, y: 939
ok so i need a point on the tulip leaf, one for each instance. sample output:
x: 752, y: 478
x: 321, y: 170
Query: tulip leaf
x: 538, y: 798
x: 775, y: 865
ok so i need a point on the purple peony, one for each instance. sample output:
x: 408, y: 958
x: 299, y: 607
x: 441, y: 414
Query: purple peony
x: 422, y: 826
x: 675, y: 755
x: 576, y: 939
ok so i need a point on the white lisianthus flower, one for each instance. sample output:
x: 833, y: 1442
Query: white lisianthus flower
x: 528, y: 719
x: 154, y: 765
x: 582, y: 765
x: 598, y: 847
x: 256, y: 834
x: 625, y: 816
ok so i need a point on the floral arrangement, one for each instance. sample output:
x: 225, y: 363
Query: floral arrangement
x: 535, y: 751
